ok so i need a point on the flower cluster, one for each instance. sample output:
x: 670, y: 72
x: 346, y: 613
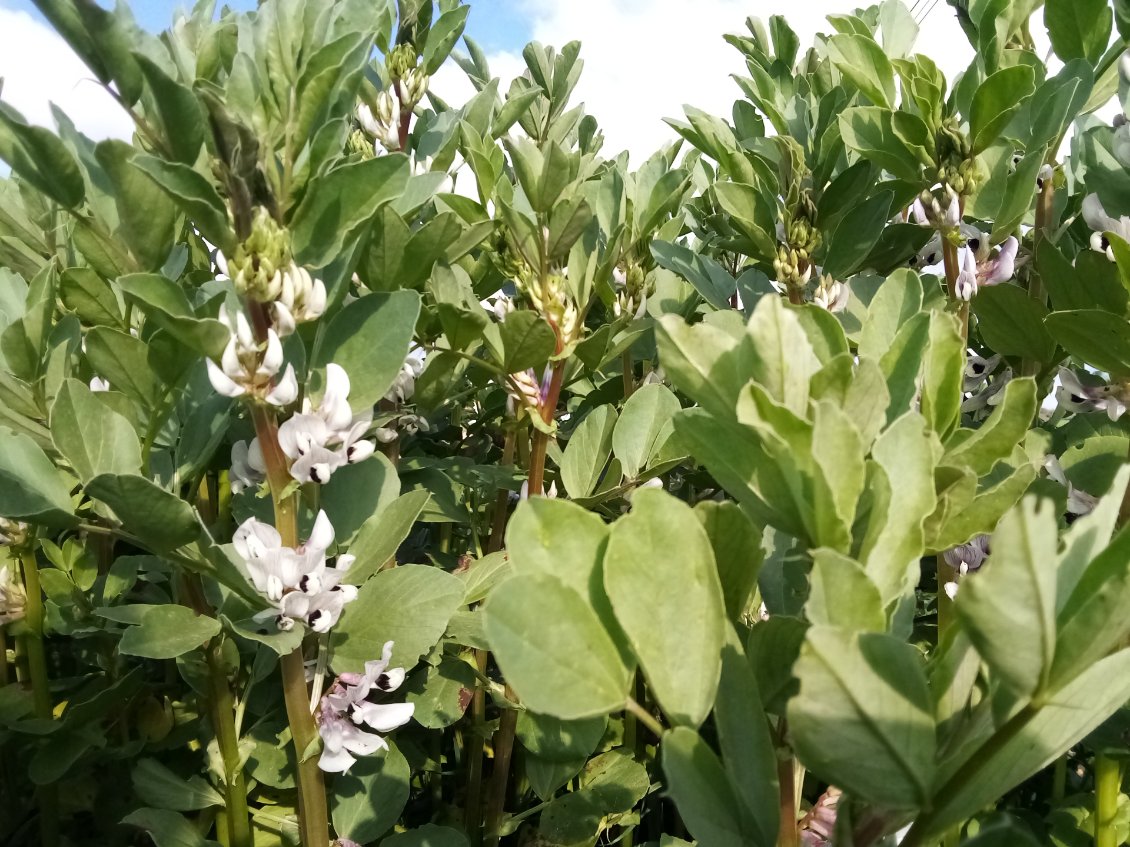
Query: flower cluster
x: 1076, y: 396
x: 1102, y: 223
x: 1079, y: 502
x: 980, y: 266
x: 13, y: 533
x: 328, y: 436
x: 299, y: 581
x: 830, y: 295
x: 965, y: 558
x: 13, y: 598
x: 346, y: 707
x: 249, y: 368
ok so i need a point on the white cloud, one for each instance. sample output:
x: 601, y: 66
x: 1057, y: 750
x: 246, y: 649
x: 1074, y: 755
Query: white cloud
x: 39, y: 68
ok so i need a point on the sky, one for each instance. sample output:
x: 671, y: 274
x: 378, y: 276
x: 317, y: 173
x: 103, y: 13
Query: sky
x: 643, y: 59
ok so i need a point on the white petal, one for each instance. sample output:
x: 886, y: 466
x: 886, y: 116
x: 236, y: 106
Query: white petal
x: 322, y: 534
x: 283, y: 318
x: 383, y: 717
x: 273, y: 357
x: 222, y: 382
x: 286, y: 391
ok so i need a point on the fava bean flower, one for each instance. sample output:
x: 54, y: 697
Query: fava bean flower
x: 1076, y: 396
x: 1098, y: 220
x: 299, y: 581
x: 346, y: 708
x: 13, y: 598
x: 249, y: 368
x: 328, y: 436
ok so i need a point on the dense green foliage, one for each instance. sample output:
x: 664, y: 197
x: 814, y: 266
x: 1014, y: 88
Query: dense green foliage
x: 379, y: 471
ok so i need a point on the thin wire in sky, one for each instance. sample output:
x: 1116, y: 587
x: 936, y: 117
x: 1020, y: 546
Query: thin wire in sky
x: 926, y: 14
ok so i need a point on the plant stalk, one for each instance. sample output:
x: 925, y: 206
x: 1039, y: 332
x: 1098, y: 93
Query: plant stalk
x: 789, y: 833
x: 223, y: 719
x: 1045, y: 202
x: 313, y: 817
x: 1108, y: 786
x: 47, y: 795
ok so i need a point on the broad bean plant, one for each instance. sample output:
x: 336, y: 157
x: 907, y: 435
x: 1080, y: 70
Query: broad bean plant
x: 377, y: 470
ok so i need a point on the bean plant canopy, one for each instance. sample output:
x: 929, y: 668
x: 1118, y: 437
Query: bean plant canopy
x: 377, y: 470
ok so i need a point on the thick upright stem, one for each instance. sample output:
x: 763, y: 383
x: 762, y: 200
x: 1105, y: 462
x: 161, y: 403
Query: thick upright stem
x: 789, y: 834
x: 1108, y: 785
x: 500, y: 777
x: 313, y: 818
x: 223, y: 722
x: 47, y: 795
x: 1044, y: 206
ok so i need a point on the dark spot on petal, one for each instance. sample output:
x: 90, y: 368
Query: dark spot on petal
x: 975, y: 244
x: 314, y: 618
x: 303, y: 583
x: 1075, y: 398
x: 314, y: 476
x: 1105, y: 242
x: 978, y: 367
x: 384, y: 683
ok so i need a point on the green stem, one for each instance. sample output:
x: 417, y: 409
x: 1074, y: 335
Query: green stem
x: 629, y: 374
x: 946, y: 573
x: 644, y: 716
x: 223, y: 722
x: 500, y: 776
x: 313, y: 817
x: 788, y: 835
x: 1059, y: 779
x: 47, y: 795
x: 1045, y: 202
x: 1108, y: 786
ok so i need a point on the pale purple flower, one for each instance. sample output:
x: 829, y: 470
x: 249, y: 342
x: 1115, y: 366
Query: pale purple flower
x: 327, y: 436
x: 1079, y: 502
x: 978, y: 369
x: 248, y: 470
x: 1098, y: 220
x: 1075, y: 396
x: 966, y: 286
x: 346, y: 707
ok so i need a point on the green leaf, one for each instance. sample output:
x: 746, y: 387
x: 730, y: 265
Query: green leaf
x: 996, y: 101
x: 166, y: 632
x: 553, y: 649
x: 747, y: 748
x: 91, y: 436
x: 1095, y: 336
x: 442, y: 36
x: 870, y: 132
x: 369, y: 338
x: 409, y: 605
x: 1037, y: 738
x: 561, y: 539
x: 857, y: 233
x: 31, y: 489
x: 194, y: 194
x: 704, y: 361
x: 338, y: 205
x: 738, y: 554
x: 708, y: 277
x: 90, y: 297
x: 1019, y: 195
x: 167, y: 829
x: 159, y: 518
x: 1079, y: 29
x: 41, y: 158
x: 943, y: 374
x: 147, y: 216
x: 678, y: 635
x: 838, y: 454
x: 701, y: 790
x: 587, y: 452
x: 1012, y: 323
x: 643, y: 428
x: 381, y: 535
x: 122, y: 360
x: 158, y: 786
x: 166, y: 304
x: 356, y: 493
x: 527, y: 341
x: 1010, y: 614
x: 896, y: 539
x: 863, y: 62
x: 368, y: 800
x: 784, y: 360
x: 980, y: 449
x: 842, y: 595
x: 863, y: 718
x: 178, y: 109
x: 559, y: 741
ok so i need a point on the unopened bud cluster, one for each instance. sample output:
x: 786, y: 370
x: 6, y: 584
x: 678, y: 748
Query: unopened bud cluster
x: 957, y: 166
x: 550, y: 297
x: 631, y: 291
x: 793, y: 262
x: 258, y: 263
